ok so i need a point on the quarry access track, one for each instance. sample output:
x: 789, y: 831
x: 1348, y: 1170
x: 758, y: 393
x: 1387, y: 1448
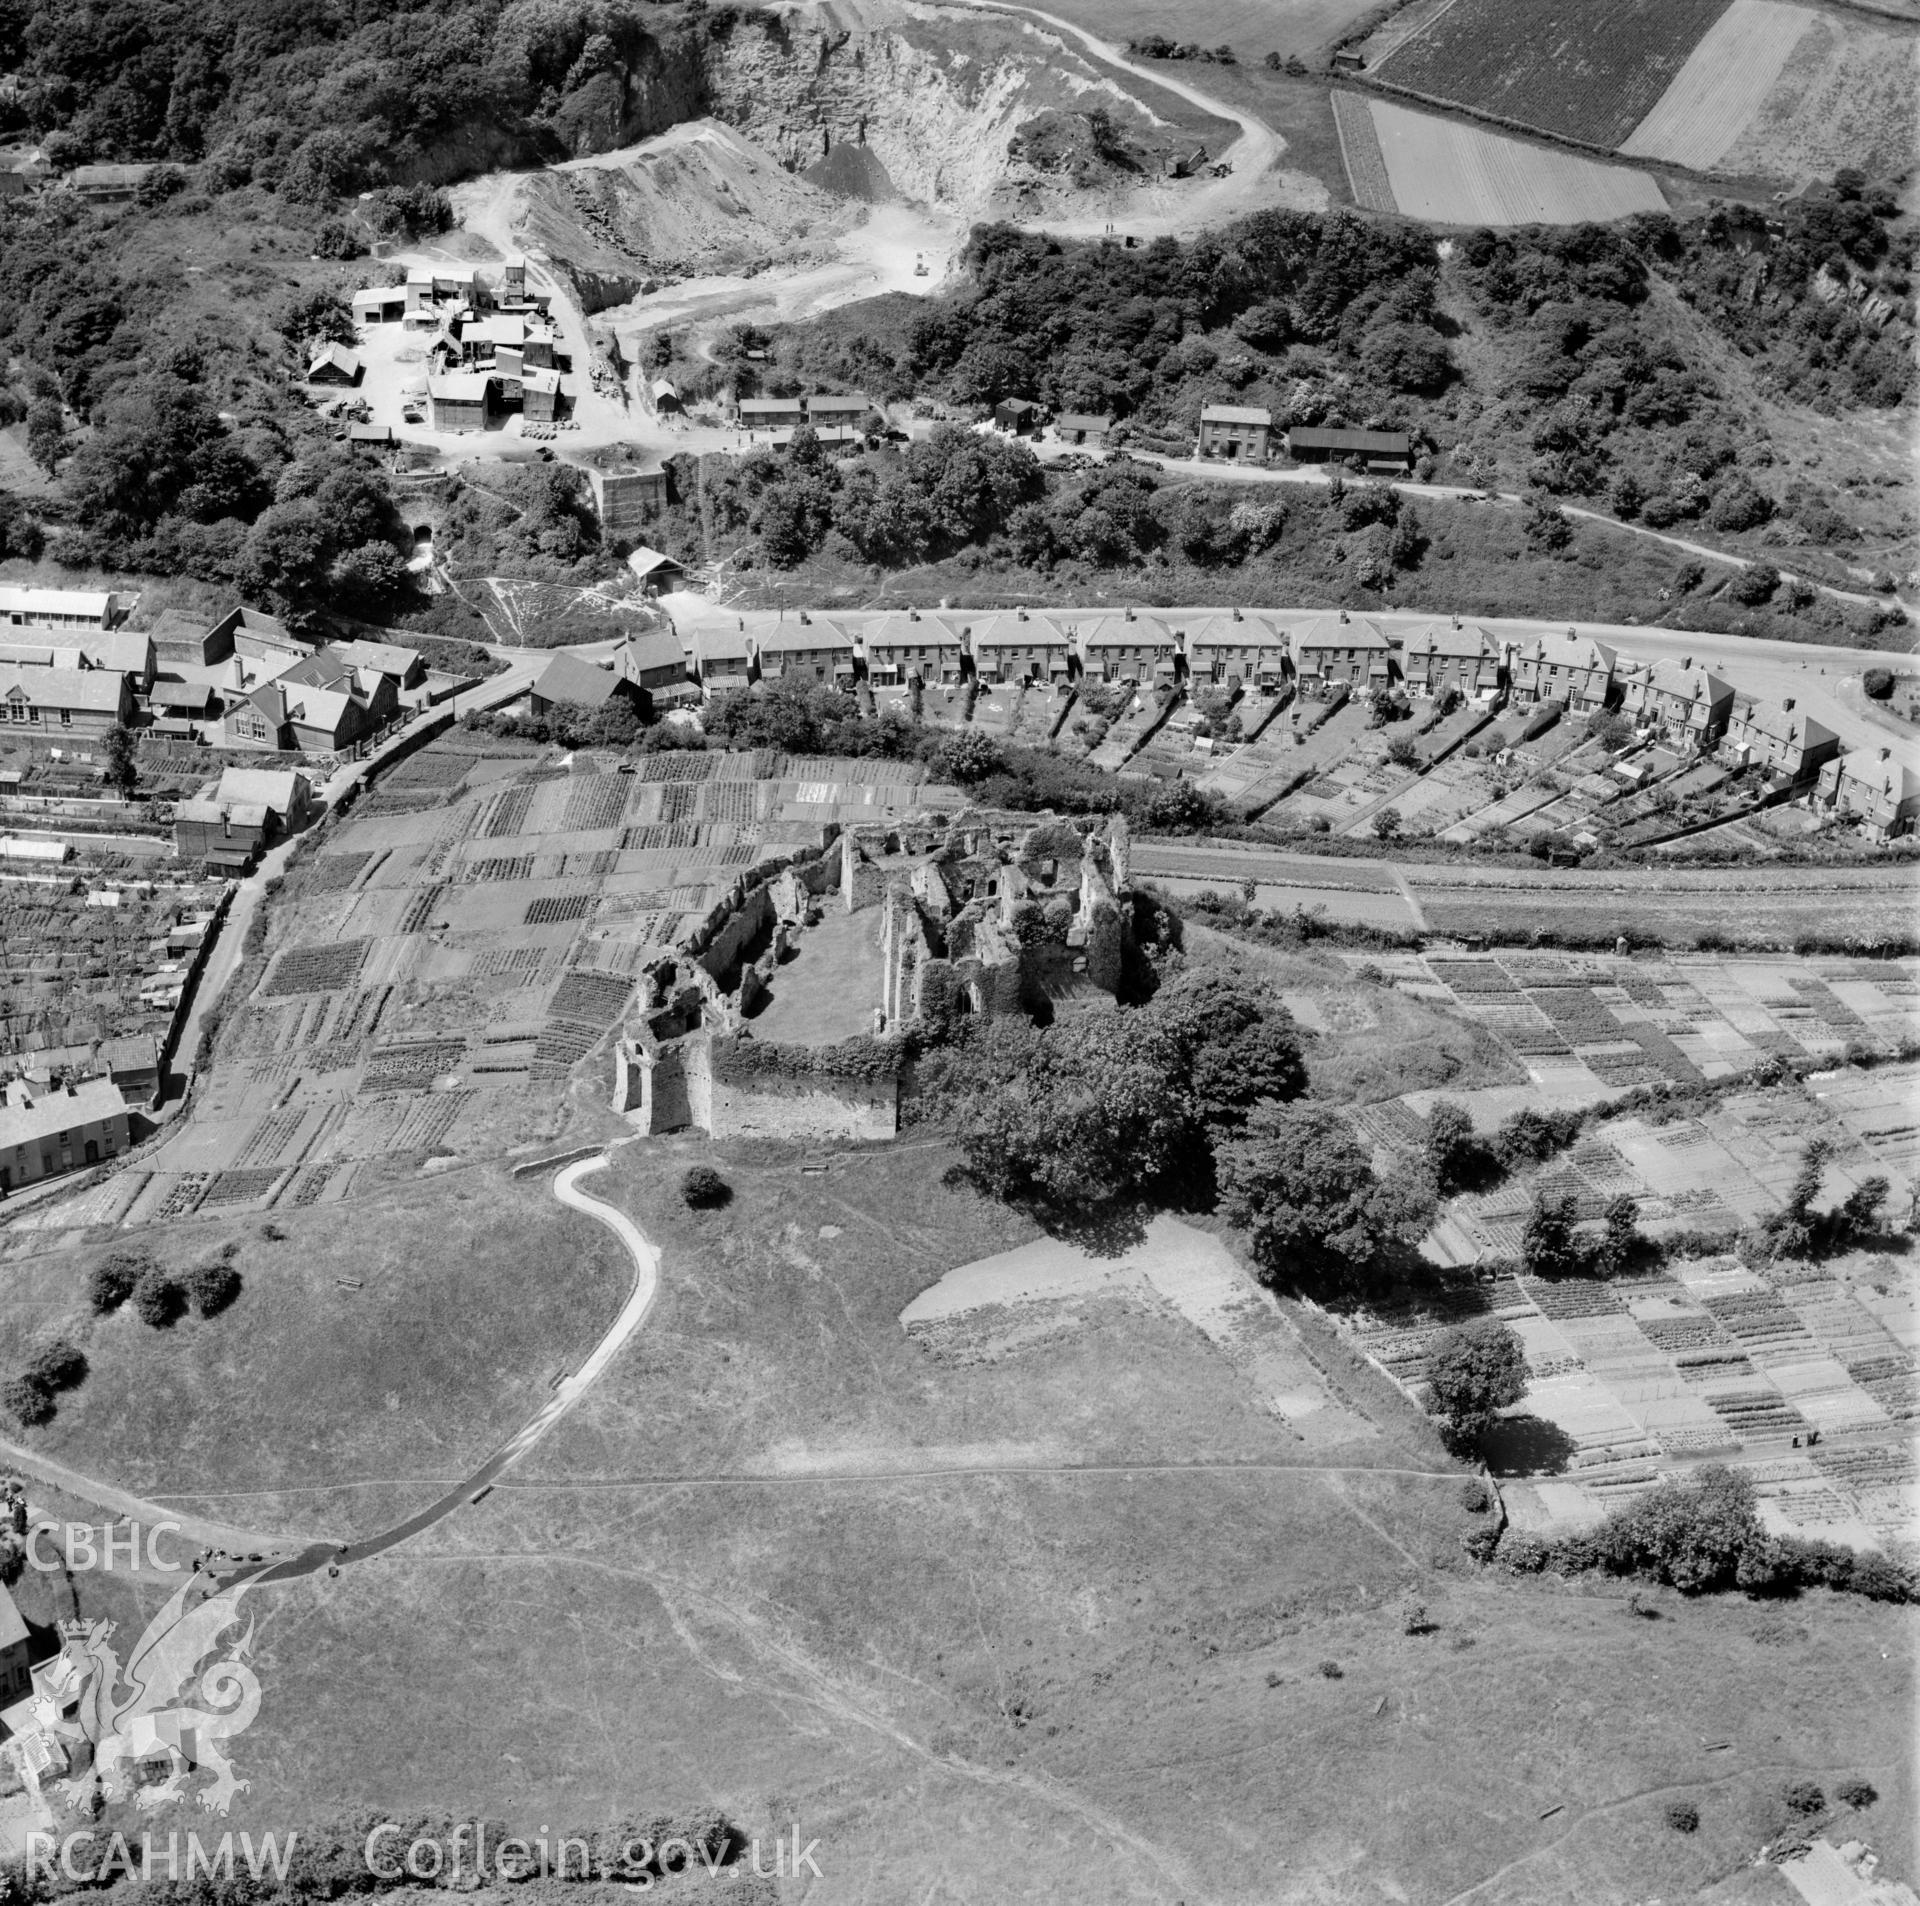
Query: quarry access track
x: 1253, y: 156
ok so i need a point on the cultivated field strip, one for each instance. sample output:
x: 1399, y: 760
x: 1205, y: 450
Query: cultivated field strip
x: 1360, y: 150
x: 1580, y: 71
x: 1723, y: 84
x: 1461, y: 175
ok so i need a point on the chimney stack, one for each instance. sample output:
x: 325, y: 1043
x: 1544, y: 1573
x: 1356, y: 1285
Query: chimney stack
x: 1788, y: 704
x: 1886, y: 754
x: 1238, y: 617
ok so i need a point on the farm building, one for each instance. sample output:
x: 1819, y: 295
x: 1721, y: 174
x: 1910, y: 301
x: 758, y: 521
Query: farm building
x: 380, y: 304
x: 374, y: 437
x: 1338, y: 652
x: 542, y: 399
x: 666, y: 399
x: 1127, y: 647
x: 655, y: 664
x: 840, y: 412
x: 1236, y: 433
x: 1686, y: 706
x: 1388, y: 452
x: 1785, y: 743
x: 459, y: 400
x: 902, y: 646
x: 772, y: 413
x: 45, y: 1133
x: 1230, y: 649
x: 722, y: 659
x: 1021, y: 415
x: 655, y: 570
x: 108, y: 184
x: 808, y: 648
x: 1450, y: 656
x: 1018, y: 646
x: 1872, y: 790
x: 1571, y: 669
x: 57, y: 705
x: 628, y: 498
x: 576, y: 684
x: 1080, y: 427
x: 334, y: 364
x: 231, y: 820
x: 27, y: 608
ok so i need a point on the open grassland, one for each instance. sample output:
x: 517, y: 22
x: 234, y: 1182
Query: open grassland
x: 936, y: 1604
x: 1848, y: 97
x: 1726, y: 77
x: 1588, y: 70
x: 1452, y: 174
x: 462, y: 1296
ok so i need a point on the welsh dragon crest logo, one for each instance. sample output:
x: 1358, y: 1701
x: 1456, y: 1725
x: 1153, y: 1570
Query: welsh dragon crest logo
x: 155, y: 1722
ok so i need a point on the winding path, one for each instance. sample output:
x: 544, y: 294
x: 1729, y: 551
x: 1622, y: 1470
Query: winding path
x: 633, y: 1313
x: 318, y: 1554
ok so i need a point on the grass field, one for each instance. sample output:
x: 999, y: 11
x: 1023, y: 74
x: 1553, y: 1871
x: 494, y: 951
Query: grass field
x: 1726, y: 77
x: 1848, y: 96
x: 1588, y: 70
x: 473, y: 1291
x: 1455, y: 174
x: 716, y: 1586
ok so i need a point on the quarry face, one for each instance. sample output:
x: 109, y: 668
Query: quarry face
x: 790, y: 121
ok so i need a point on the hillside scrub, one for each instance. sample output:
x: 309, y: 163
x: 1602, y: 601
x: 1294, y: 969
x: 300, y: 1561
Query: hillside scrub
x: 1580, y: 384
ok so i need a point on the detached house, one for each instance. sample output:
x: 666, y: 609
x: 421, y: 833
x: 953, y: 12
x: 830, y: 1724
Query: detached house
x: 1879, y: 795
x: 772, y: 413
x: 231, y: 820
x: 1230, y: 649
x: 1571, y: 669
x: 1782, y: 741
x: 1236, y: 433
x: 1686, y: 706
x: 1340, y: 652
x: 1450, y: 655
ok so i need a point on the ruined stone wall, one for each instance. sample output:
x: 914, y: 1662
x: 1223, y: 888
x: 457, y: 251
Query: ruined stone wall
x: 749, y: 919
